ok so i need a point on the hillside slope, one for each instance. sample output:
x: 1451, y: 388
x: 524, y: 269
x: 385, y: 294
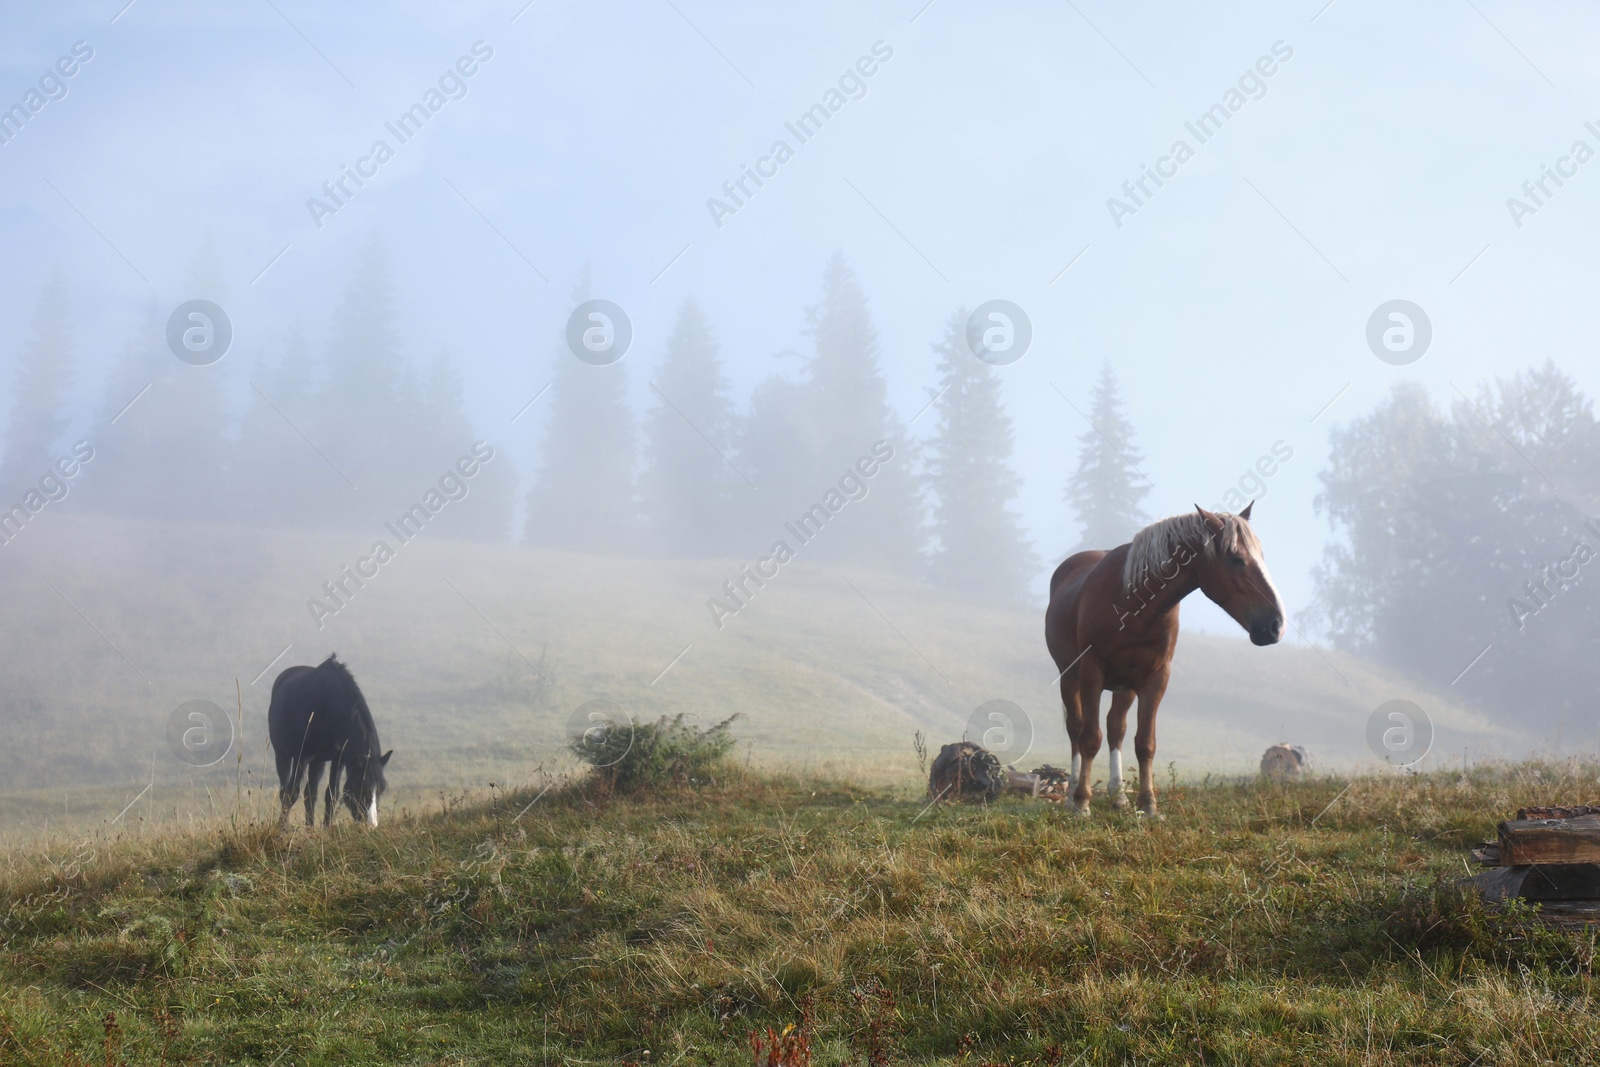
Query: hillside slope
x: 473, y: 656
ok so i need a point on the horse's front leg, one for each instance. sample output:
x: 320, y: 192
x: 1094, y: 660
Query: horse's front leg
x: 1074, y: 718
x: 1116, y: 730
x: 313, y: 780
x: 289, y: 772
x: 1088, y: 734
x: 1144, y: 740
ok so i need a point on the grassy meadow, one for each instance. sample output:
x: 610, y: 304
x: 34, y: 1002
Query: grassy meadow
x: 1255, y: 924
x: 510, y: 909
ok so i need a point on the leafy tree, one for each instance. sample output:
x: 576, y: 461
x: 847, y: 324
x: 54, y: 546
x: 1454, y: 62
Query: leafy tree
x: 44, y: 370
x: 1105, y: 490
x: 688, y: 487
x: 981, y: 547
x: 1470, y: 529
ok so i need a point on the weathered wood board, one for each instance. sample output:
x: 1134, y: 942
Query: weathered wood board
x: 1524, y: 842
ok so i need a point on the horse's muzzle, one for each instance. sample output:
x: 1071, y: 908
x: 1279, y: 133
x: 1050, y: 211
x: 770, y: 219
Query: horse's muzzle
x: 1267, y: 631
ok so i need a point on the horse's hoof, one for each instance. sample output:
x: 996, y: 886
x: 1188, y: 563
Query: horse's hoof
x: 1150, y: 813
x: 1081, y: 807
x: 1118, y: 800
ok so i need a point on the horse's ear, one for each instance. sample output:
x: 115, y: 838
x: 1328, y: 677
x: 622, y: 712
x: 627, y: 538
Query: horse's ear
x: 1213, y: 523
x: 384, y: 759
x: 1245, y: 514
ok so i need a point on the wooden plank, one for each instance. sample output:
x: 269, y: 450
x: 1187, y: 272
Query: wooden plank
x: 1529, y: 841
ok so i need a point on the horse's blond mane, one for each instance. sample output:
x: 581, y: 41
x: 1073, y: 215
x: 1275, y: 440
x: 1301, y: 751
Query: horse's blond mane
x: 1156, y: 544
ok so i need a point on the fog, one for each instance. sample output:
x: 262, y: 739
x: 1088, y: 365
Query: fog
x: 529, y: 293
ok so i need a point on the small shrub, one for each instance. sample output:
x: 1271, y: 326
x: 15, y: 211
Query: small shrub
x: 630, y: 756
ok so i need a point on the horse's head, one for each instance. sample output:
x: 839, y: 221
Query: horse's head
x: 364, y: 784
x: 1234, y: 575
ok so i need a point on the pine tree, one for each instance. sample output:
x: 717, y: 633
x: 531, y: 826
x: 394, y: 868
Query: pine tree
x: 366, y: 420
x: 1105, y: 490
x: 582, y: 497
x: 43, y: 373
x: 276, y: 479
x: 688, y: 486
x: 802, y: 437
x: 981, y: 547
x: 167, y: 455
x: 485, y: 512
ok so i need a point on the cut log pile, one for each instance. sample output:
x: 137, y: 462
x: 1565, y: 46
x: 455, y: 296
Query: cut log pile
x: 965, y: 771
x: 1547, y: 856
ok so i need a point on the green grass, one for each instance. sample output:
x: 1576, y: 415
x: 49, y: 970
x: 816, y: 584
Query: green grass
x: 1256, y: 924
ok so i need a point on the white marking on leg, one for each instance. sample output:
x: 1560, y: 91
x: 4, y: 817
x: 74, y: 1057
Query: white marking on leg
x: 372, y: 812
x: 1114, y: 782
x: 1077, y: 766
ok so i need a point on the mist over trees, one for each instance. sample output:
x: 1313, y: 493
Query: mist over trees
x: 351, y: 429
x: 689, y: 486
x: 583, y: 492
x: 803, y: 434
x: 1465, y: 536
x: 980, y: 548
x: 1105, y: 489
x: 1471, y: 530
x: 43, y: 372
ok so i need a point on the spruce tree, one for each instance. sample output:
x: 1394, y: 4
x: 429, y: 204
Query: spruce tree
x: 582, y: 496
x: 366, y: 422
x: 167, y: 456
x: 484, y: 514
x: 276, y: 478
x: 43, y: 373
x: 1105, y: 490
x: 803, y: 436
x: 688, y: 486
x: 981, y: 548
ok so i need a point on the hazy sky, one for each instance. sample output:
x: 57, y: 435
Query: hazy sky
x: 1373, y: 164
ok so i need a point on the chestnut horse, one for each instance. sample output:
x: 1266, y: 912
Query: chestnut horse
x: 1113, y: 624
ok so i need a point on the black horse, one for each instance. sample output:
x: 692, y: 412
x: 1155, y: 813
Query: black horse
x: 318, y: 717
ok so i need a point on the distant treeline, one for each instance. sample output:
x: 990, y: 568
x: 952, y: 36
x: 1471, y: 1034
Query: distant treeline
x: 347, y: 435
x: 1465, y: 541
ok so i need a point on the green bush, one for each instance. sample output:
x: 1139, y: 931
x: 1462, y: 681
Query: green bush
x: 629, y: 756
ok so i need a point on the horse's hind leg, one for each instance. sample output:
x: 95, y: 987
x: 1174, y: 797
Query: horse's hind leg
x: 1144, y: 741
x: 313, y: 779
x: 1116, y: 730
x: 332, y: 793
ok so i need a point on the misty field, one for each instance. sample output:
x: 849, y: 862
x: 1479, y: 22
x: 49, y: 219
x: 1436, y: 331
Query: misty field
x: 473, y: 656
x: 1256, y: 924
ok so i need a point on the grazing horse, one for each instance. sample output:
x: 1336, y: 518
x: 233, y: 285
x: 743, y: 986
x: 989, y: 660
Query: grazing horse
x: 318, y: 717
x: 1113, y: 624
